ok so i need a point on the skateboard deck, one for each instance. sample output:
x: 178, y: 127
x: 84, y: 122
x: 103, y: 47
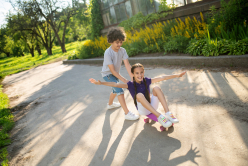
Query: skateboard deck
x: 154, y: 118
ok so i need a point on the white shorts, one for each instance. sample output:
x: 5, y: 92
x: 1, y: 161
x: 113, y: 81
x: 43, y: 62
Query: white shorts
x: 154, y: 103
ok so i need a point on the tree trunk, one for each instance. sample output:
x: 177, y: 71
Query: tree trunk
x: 49, y: 50
x: 32, y: 52
x: 38, y: 48
x: 60, y: 43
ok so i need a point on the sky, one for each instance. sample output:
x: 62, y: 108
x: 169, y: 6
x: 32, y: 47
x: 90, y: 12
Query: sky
x: 4, y: 9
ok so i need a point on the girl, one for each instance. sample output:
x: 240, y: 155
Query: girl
x: 140, y: 91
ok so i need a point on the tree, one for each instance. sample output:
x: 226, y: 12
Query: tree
x: 96, y: 19
x: 19, y: 26
x: 79, y: 24
x: 29, y: 21
x: 56, y: 16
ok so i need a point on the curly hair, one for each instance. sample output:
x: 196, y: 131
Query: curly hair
x: 115, y: 34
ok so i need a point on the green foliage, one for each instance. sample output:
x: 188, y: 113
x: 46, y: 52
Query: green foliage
x: 96, y: 19
x: 232, y: 13
x: 238, y: 48
x: 176, y: 44
x: 139, y: 20
x: 132, y: 51
x: 195, y: 47
x: 87, y: 52
x: 164, y: 6
x: 6, y: 124
x: 3, y: 156
x: 216, y: 47
x: 237, y: 33
x: 79, y: 25
x: 12, y: 47
x: 151, y: 49
x: 167, y: 28
x: 136, y: 22
x: 13, y: 65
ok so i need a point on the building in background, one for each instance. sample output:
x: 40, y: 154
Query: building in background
x: 116, y: 11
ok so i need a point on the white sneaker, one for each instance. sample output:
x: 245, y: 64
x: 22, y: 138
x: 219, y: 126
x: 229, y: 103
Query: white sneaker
x: 164, y: 121
x: 171, y: 117
x: 114, y: 105
x: 131, y: 116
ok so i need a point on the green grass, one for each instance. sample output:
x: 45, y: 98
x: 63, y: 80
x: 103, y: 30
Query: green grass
x: 6, y: 124
x: 14, y: 65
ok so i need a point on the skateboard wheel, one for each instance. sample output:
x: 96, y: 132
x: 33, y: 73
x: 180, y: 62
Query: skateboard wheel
x: 146, y: 120
x: 162, y: 128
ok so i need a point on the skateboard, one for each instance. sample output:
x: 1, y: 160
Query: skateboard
x: 154, y: 118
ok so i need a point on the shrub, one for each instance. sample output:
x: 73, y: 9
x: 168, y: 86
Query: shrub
x: 92, y: 48
x: 177, y: 44
x: 232, y: 13
x: 238, y: 48
x: 208, y: 47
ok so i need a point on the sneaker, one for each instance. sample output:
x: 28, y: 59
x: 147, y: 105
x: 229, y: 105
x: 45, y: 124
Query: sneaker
x: 164, y: 121
x: 114, y: 105
x: 171, y: 117
x: 131, y: 116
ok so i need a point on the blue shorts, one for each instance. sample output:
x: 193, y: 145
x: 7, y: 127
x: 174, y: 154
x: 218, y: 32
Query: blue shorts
x: 112, y: 78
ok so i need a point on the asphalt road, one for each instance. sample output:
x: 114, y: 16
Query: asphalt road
x: 62, y: 119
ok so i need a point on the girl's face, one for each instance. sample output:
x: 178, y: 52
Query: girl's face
x: 138, y: 74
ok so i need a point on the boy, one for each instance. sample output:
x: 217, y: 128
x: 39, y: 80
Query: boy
x: 113, y: 57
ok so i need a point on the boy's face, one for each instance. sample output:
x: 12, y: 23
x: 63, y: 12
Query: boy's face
x: 116, y: 45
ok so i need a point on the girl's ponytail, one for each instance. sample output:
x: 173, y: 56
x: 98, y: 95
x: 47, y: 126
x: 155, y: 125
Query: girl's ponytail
x: 147, y: 94
x: 135, y: 87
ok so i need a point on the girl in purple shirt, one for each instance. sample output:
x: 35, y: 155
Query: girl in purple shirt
x: 140, y: 91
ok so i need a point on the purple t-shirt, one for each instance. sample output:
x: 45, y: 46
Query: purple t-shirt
x: 141, y: 88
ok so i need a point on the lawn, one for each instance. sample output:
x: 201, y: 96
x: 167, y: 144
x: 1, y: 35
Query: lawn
x: 14, y: 65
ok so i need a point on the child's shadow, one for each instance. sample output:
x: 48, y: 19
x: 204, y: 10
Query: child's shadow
x: 152, y: 147
x: 103, y: 156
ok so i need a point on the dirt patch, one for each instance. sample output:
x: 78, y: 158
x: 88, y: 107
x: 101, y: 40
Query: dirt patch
x: 21, y: 109
x: 19, y: 133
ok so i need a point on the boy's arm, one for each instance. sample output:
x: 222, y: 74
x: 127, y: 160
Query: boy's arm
x: 112, y: 84
x: 128, y: 67
x: 117, y: 75
x: 167, y: 77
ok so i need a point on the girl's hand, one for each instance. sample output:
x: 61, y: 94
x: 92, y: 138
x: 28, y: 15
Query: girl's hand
x: 180, y: 75
x: 93, y: 81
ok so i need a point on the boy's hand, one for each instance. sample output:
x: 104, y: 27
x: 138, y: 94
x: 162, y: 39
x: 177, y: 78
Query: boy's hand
x: 93, y: 81
x: 180, y: 75
x: 126, y: 81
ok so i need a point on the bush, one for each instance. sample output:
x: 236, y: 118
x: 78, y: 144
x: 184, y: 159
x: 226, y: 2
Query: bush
x: 177, y: 44
x: 232, y: 13
x: 208, y: 47
x: 238, y: 48
x: 91, y: 49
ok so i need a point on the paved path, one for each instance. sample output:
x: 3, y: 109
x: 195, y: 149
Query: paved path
x: 62, y: 120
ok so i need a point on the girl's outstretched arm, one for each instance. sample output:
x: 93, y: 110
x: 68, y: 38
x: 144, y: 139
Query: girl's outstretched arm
x: 112, y: 84
x: 167, y: 77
